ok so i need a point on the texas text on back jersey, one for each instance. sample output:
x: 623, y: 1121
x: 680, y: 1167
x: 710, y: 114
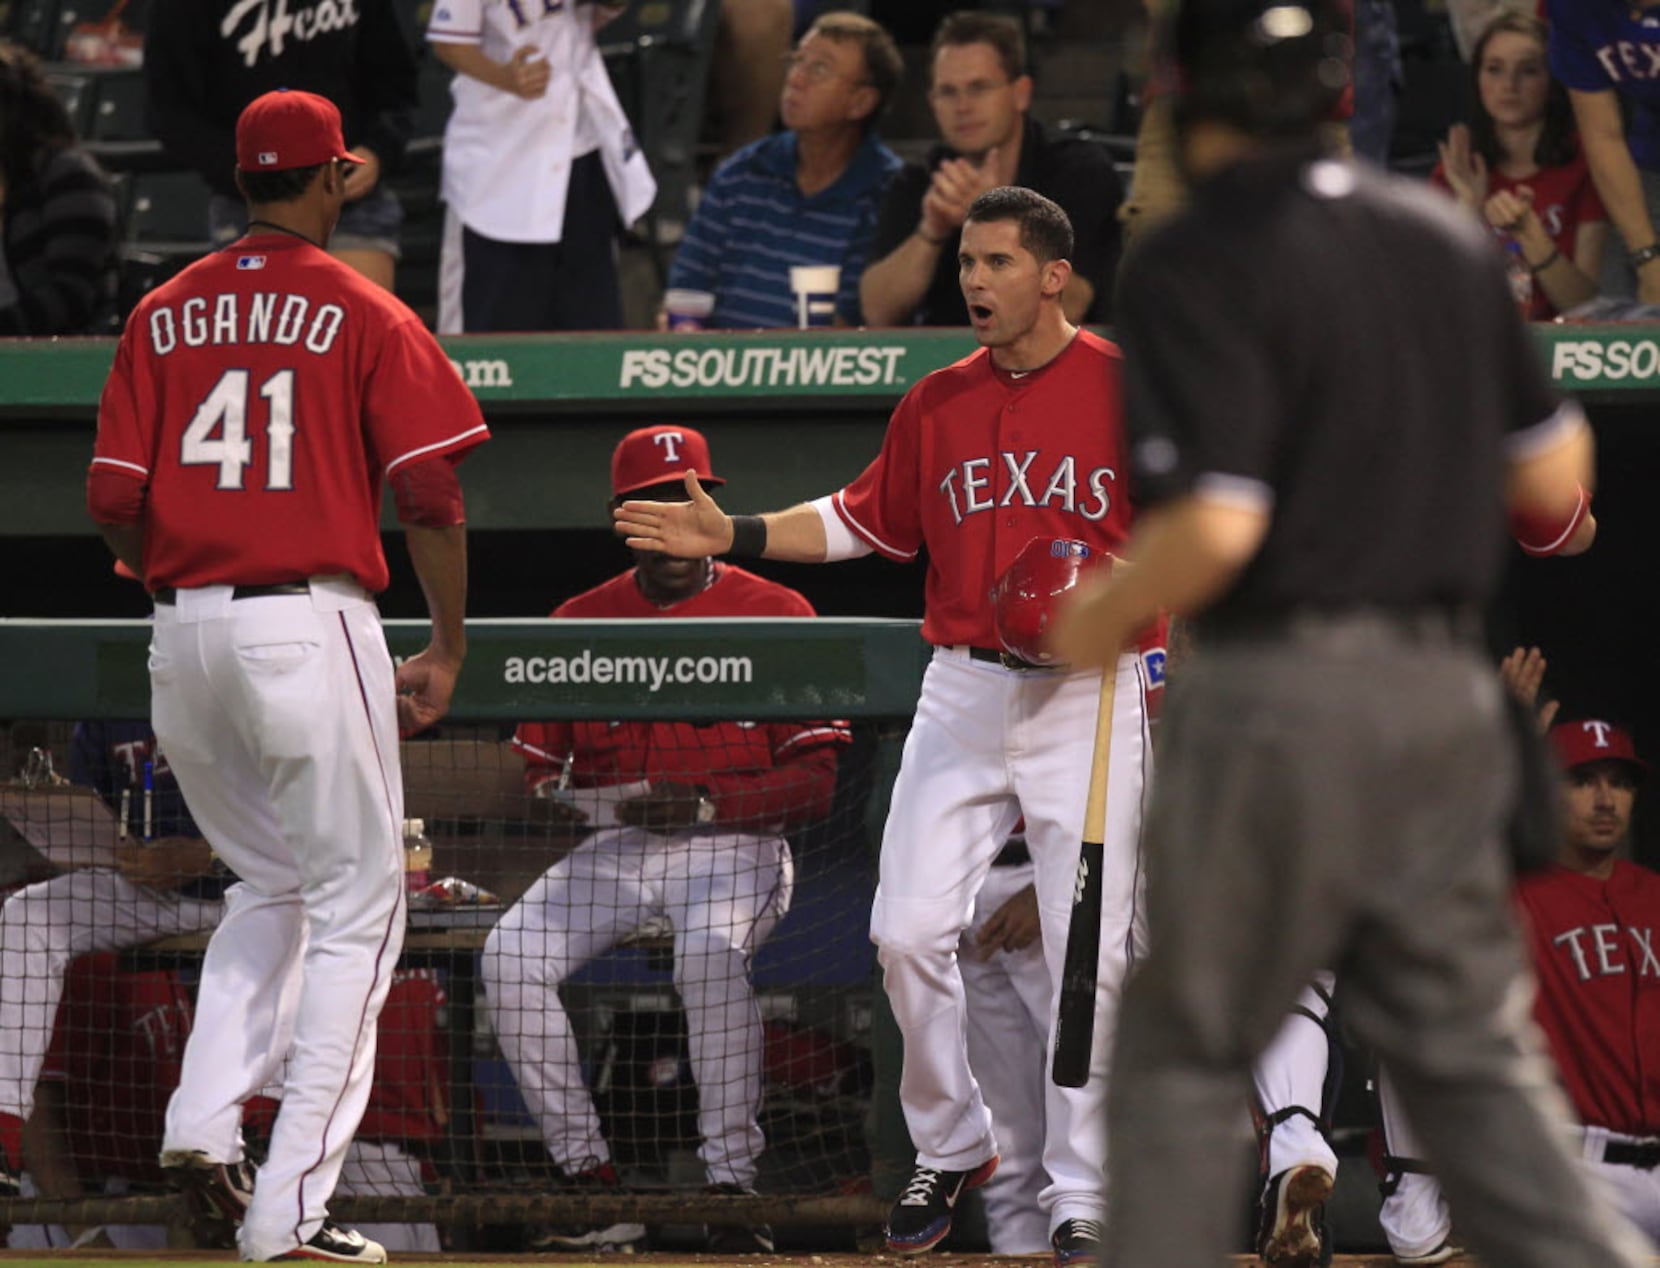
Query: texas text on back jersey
x: 977, y: 462
x: 762, y: 774
x: 1596, y: 953
x: 264, y: 395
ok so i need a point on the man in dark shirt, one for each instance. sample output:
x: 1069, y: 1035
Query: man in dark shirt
x: 1333, y: 406
x: 980, y: 92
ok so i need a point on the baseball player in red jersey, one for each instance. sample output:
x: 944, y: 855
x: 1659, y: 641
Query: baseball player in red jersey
x: 112, y: 1062
x: 1594, y: 928
x: 257, y: 402
x: 696, y: 839
x: 1022, y: 439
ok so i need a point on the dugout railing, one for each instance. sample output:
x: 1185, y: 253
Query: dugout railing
x: 484, y: 1162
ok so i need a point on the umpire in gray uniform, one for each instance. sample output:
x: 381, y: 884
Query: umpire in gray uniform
x: 1333, y: 406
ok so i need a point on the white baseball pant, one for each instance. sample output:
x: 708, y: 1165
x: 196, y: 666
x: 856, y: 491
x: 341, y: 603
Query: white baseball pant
x: 1291, y: 1073
x: 278, y: 717
x: 988, y: 744
x: 43, y: 928
x: 1633, y: 1190
x: 723, y: 893
x: 1415, y: 1217
x: 1008, y: 996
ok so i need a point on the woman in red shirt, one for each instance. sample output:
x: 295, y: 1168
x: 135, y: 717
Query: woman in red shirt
x: 1518, y: 165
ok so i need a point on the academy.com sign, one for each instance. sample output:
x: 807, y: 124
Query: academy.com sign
x: 651, y: 672
x: 763, y: 366
x: 1587, y: 360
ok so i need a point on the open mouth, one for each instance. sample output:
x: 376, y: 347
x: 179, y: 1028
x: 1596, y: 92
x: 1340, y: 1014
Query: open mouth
x: 979, y: 313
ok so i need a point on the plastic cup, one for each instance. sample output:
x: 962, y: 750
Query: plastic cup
x: 815, y: 287
x: 688, y: 310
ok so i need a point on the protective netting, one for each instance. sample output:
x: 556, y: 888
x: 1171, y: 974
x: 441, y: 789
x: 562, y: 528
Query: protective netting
x: 633, y: 947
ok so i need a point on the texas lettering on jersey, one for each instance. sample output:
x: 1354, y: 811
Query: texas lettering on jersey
x: 989, y: 484
x: 1609, y: 950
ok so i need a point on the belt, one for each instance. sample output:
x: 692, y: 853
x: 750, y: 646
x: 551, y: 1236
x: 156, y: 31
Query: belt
x: 1625, y: 1153
x: 1006, y: 659
x: 1014, y: 853
x: 170, y: 596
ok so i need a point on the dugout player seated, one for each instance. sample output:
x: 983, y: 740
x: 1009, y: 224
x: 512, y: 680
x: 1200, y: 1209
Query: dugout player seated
x: 699, y: 844
x: 1591, y: 921
x: 166, y: 883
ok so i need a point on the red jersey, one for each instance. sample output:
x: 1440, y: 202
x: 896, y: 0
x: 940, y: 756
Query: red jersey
x: 117, y: 1048
x: 760, y: 775
x: 1597, y: 957
x: 263, y: 396
x: 977, y: 462
x: 1564, y: 197
x: 410, y: 1097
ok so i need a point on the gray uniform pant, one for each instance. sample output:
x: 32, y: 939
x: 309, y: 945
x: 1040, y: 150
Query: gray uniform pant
x: 1335, y: 796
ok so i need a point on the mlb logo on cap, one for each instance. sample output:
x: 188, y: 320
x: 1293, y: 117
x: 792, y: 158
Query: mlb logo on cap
x: 659, y: 455
x: 1580, y: 743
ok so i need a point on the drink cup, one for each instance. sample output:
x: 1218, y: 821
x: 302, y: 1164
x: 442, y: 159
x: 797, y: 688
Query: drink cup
x: 688, y: 310
x: 815, y: 287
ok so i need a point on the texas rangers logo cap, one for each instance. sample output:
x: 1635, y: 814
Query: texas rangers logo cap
x: 288, y: 128
x: 659, y: 455
x: 1592, y: 740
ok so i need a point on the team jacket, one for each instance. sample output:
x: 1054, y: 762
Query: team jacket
x: 1597, y: 957
x: 762, y: 776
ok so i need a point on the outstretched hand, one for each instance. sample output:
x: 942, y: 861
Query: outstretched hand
x: 687, y: 530
x: 425, y: 684
x: 1523, y: 673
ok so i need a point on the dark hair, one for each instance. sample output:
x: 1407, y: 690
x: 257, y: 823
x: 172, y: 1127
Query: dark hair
x: 277, y: 187
x: 1272, y: 69
x: 1558, y: 142
x: 883, y: 66
x: 970, y: 27
x: 1045, y: 230
x: 33, y: 122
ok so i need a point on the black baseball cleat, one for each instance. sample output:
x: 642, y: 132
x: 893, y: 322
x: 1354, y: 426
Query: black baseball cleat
x: 337, y: 1245
x: 921, y: 1218
x: 737, y: 1239
x: 1076, y: 1242
x: 218, y: 1194
x: 1291, y: 1228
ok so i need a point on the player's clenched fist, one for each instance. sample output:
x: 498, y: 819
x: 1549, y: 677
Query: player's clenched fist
x: 687, y: 530
x: 528, y: 73
x: 425, y: 684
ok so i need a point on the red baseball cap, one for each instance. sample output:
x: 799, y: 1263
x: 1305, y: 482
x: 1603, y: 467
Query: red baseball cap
x: 288, y: 128
x: 659, y: 455
x: 1579, y: 743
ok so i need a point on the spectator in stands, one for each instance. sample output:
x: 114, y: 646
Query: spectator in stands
x: 980, y: 92
x: 161, y: 887
x: 685, y: 824
x: 805, y: 196
x: 204, y: 60
x: 1604, y: 51
x: 1518, y: 166
x: 747, y: 71
x: 539, y: 164
x: 58, y: 219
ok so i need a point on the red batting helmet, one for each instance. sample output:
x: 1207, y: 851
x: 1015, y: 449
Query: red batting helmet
x: 1025, y: 597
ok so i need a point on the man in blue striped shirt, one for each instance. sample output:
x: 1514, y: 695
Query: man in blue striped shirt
x: 806, y: 196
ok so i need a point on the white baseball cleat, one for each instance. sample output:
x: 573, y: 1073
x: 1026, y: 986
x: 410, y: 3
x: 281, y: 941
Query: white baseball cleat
x: 1441, y: 1253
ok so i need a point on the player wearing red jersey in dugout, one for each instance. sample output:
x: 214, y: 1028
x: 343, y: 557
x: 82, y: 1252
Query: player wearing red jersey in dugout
x: 256, y: 405
x: 697, y: 839
x: 1022, y: 439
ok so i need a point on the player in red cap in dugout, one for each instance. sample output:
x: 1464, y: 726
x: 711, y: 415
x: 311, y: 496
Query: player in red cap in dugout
x: 686, y: 824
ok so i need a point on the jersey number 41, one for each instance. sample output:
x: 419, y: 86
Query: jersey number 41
x: 217, y: 435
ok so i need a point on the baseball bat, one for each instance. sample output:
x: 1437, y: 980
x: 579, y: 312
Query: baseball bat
x: 1075, y: 1011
